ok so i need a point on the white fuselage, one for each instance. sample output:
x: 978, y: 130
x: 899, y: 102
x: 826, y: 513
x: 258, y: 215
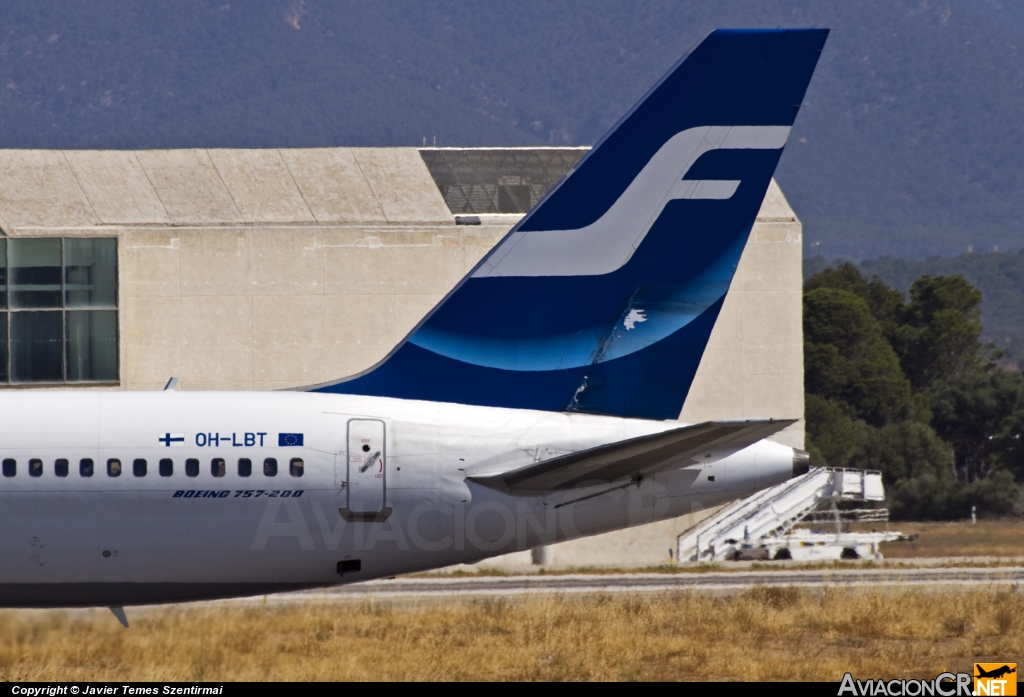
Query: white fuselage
x: 193, y: 530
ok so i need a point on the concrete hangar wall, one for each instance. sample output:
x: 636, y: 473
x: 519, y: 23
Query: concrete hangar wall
x: 268, y: 269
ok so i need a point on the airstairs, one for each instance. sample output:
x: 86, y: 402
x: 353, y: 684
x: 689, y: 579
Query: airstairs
x: 762, y: 526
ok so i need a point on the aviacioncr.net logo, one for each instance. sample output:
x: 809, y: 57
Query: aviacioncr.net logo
x: 995, y: 679
x: 944, y: 685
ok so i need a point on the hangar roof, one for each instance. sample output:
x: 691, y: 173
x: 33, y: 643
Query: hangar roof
x: 46, y: 192
x: 46, y: 189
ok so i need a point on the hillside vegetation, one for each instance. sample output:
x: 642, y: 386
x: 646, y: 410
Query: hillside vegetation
x: 998, y: 275
x: 908, y: 142
x: 904, y: 384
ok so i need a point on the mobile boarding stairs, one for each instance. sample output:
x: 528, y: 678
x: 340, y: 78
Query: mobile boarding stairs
x: 762, y: 526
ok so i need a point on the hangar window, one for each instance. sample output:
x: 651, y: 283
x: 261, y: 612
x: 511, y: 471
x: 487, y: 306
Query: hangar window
x: 58, y: 310
x: 244, y: 467
x: 270, y: 467
x: 497, y: 180
x: 166, y: 467
x: 60, y: 467
x: 85, y: 467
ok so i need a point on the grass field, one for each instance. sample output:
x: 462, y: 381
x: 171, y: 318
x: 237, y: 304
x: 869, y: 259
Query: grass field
x: 765, y: 634
x: 986, y: 538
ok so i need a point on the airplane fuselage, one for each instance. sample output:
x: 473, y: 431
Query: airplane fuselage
x: 117, y: 498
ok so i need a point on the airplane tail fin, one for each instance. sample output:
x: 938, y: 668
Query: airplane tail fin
x: 602, y: 299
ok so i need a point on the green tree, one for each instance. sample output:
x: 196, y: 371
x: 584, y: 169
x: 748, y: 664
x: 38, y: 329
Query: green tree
x: 848, y: 361
x: 934, y: 497
x: 908, y: 388
x: 903, y: 451
x: 884, y: 302
x: 940, y: 333
x: 832, y: 435
x: 981, y: 414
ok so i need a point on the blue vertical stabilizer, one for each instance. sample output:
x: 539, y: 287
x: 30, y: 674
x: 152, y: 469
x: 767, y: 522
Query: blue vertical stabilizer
x: 602, y: 299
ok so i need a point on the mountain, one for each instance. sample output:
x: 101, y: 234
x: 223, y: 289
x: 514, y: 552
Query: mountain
x: 908, y: 143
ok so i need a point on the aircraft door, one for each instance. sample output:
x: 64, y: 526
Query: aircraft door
x: 366, y: 471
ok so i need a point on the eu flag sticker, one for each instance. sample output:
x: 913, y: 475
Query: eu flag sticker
x: 284, y: 439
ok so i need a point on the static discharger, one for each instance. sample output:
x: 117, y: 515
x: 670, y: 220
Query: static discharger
x: 121, y: 617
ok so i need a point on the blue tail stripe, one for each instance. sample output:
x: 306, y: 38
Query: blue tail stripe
x: 424, y: 375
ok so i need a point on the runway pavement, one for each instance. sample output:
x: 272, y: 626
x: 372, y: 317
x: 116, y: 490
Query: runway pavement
x: 732, y: 581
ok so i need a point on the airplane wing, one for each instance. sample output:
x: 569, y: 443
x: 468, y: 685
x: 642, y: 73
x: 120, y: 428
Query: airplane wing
x: 646, y: 455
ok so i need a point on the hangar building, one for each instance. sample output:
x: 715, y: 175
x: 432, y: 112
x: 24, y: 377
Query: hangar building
x: 271, y: 269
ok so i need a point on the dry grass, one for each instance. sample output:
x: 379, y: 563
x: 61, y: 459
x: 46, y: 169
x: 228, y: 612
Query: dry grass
x: 986, y: 538
x: 765, y: 634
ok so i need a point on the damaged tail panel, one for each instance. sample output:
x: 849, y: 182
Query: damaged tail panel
x: 602, y: 299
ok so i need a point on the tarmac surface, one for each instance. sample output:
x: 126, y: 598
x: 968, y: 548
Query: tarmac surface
x: 727, y: 582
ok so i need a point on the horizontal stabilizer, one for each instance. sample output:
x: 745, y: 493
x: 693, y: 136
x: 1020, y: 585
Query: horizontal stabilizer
x: 627, y: 459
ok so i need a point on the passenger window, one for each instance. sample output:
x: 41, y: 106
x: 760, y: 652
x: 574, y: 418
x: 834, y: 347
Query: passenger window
x: 113, y: 467
x: 269, y: 467
x: 35, y: 467
x: 218, y: 467
x: 60, y: 467
x: 85, y: 467
x: 139, y: 467
x: 10, y: 467
x: 166, y: 467
x: 296, y: 466
x: 191, y: 467
x: 244, y: 467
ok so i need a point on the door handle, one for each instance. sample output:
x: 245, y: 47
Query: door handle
x: 369, y: 461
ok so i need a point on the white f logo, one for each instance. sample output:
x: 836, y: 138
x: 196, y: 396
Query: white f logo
x: 608, y: 243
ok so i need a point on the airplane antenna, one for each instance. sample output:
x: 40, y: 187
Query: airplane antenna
x: 119, y: 613
x: 172, y: 384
